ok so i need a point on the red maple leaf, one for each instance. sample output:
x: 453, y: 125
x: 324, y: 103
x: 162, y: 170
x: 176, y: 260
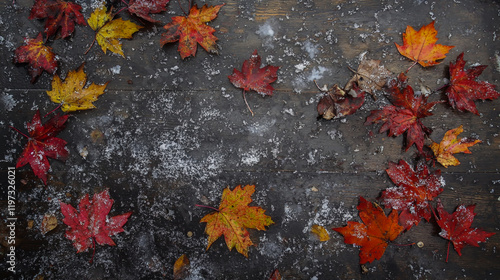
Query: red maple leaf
x: 142, y: 8
x: 192, y: 30
x: 90, y: 224
x: 456, y: 227
x: 59, y: 14
x: 374, y: 234
x: 252, y: 77
x: 463, y: 89
x: 415, y: 188
x: 405, y: 113
x: 42, y: 144
x: 39, y: 57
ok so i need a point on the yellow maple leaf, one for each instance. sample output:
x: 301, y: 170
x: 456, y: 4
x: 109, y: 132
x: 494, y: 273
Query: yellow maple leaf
x: 233, y: 217
x: 320, y: 232
x: 71, y: 93
x: 109, y: 31
x: 451, y: 145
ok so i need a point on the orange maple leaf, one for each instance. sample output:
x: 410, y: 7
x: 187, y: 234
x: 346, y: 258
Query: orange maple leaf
x: 192, y: 30
x: 421, y: 46
x: 233, y: 217
x: 374, y: 234
x: 451, y: 145
x: 39, y: 57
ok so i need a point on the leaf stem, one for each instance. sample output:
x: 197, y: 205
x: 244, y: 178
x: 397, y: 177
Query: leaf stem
x: 19, y: 132
x: 209, y: 207
x: 411, y: 66
x: 448, y: 251
x: 95, y: 37
x: 248, y: 106
x: 403, y: 245
x: 93, y: 253
x: 119, y: 11
x: 179, y: 2
x: 60, y: 104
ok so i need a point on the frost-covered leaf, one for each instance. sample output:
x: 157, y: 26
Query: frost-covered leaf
x: 370, y: 76
x: 142, y: 8
x: 59, y: 15
x: 337, y: 103
x: 39, y: 57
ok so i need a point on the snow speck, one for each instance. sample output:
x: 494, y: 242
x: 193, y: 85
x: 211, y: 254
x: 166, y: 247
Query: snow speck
x: 8, y: 101
x: 310, y: 48
x: 267, y: 32
x: 115, y: 70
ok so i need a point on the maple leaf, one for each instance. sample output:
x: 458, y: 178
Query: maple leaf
x: 71, y: 93
x: 464, y: 89
x: 415, y: 188
x: 405, y: 113
x: 451, y: 145
x: 370, y: 76
x: 90, y: 223
x: 59, y: 14
x: 43, y: 144
x: 142, y: 8
x: 192, y: 30
x: 374, y: 234
x: 233, y: 217
x: 421, y: 46
x: 337, y: 103
x: 39, y: 57
x: 456, y: 227
x: 109, y: 30
x: 252, y: 77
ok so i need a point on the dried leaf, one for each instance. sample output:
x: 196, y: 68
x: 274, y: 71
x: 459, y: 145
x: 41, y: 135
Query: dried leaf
x: 464, y: 88
x: 421, y: 46
x: 108, y: 31
x: 59, y: 14
x: 233, y: 217
x: 337, y: 103
x: 275, y: 275
x: 451, y: 145
x: 456, y: 227
x: 49, y: 222
x: 374, y: 234
x: 181, y: 267
x: 43, y: 144
x: 192, y: 30
x: 39, y: 57
x: 320, y: 232
x: 415, y: 189
x: 142, y: 8
x: 72, y: 94
x: 370, y: 76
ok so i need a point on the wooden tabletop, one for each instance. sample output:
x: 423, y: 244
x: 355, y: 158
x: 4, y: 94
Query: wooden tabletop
x: 170, y: 133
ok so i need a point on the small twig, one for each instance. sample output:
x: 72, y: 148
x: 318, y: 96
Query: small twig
x: 209, y: 207
x: 411, y: 66
x: 323, y: 89
x: 248, y: 106
x: 402, y: 245
x: 119, y: 11
x: 19, y: 132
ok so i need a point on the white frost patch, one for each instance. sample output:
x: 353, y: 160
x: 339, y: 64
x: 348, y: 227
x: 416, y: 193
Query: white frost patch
x: 251, y: 157
x: 310, y: 48
x: 8, y: 101
x: 115, y: 70
x: 305, y: 79
x: 317, y: 73
x: 260, y: 128
x: 267, y: 32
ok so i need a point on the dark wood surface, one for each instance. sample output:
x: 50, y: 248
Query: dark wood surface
x: 176, y: 132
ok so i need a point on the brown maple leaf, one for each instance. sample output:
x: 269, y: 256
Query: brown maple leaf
x: 374, y: 233
x: 192, y: 30
x: 451, y: 145
x: 456, y: 227
x: 90, y: 223
x: 415, y: 189
x: 181, y: 267
x: 252, y: 77
x: 39, y: 57
x: 464, y: 88
x: 405, y: 114
x: 233, y: 217
x: 370, y: 76
x: 42, y: 144
x: 337, y: 103
x: 59, y: 14
x: 421, y: 46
